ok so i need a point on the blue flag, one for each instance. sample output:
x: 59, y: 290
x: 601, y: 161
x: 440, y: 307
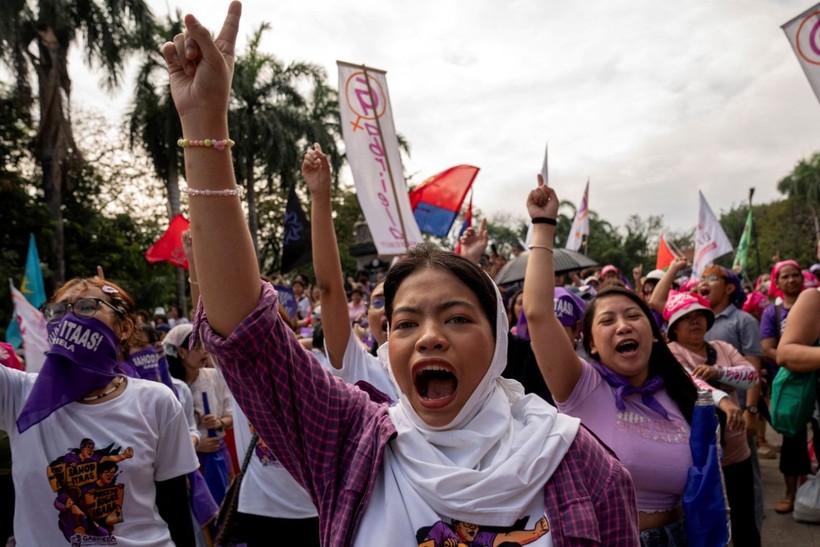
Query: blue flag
x: 32, y: 287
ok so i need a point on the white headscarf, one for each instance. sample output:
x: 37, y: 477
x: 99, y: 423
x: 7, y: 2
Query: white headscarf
x: 497, y: 454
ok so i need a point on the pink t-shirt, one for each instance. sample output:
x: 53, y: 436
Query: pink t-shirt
x: 735, y: 372
x: 653, y: 449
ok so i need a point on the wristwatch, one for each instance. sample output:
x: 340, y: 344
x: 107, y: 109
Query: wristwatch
x: 752, y: 409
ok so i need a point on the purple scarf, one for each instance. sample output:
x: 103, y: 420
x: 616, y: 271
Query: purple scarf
x: 83, y: 357
x: 623, y: 388
x: 148, y: 364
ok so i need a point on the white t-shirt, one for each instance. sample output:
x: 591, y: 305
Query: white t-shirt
x: 103, y: 494
x: 210, y: 381
x: 187, y: 402
x: 358, y: 364
x: 267, y: 488
x: 395, y: 510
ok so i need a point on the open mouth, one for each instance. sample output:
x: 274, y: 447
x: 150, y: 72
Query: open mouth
x: 435, y: 384
x: 627, y: 346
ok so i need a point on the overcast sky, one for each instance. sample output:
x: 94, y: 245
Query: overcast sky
x: 651, y: 100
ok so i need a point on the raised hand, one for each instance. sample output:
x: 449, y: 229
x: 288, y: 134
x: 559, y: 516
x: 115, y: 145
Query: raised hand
x: 316, y: 170
x: 200, y: 67
x: 542, y: 201
x: 474, y: 242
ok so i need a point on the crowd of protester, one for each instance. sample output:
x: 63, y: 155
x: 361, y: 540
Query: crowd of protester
x: 552, y: 411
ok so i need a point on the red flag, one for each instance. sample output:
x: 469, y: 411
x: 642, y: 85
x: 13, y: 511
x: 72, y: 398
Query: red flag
x: 437, y: 200
x: 665, y: 255
x: 169, y: 246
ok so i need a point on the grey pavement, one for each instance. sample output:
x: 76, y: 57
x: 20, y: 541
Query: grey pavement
x: 781, y: 530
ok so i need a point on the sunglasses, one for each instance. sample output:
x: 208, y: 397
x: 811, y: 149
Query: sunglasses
x: 83, y: 308
x: 377, y: 303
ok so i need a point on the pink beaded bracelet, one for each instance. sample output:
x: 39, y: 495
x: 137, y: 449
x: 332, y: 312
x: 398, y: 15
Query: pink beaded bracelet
x: 206, y: 143
x: 204, y: 192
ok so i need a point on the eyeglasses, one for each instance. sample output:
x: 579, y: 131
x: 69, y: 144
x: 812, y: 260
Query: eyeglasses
x: 711, y: 278
x: 377, y: 303
x: 83, y: 308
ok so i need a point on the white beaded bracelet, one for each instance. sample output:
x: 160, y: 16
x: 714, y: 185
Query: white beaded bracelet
x: 204, y: 192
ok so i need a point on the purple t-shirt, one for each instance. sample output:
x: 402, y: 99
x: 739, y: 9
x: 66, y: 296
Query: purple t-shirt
x: 768, y: 321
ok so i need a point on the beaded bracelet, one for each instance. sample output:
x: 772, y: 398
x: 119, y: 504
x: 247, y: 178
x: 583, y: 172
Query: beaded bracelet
x: 531, y: 247
x: 204, y: 192
x: 206, y: 143
x: 544, y: 220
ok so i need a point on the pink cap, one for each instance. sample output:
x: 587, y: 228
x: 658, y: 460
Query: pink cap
x: 610, y: 268
x: 681, y: 303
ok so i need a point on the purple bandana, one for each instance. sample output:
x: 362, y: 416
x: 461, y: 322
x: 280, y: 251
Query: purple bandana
x: 623, y: 388
x: 148, y: 364
x: 82, y: 358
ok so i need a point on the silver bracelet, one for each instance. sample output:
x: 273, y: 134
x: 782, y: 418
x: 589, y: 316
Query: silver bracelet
x: 204, y: 192
x: 531, y: 247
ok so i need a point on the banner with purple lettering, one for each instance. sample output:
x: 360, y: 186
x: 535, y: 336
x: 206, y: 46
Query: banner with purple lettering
x: 372, y: 150
x: 803, y: 33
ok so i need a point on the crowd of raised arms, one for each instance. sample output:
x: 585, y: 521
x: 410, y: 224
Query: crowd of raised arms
x: 422, y: 406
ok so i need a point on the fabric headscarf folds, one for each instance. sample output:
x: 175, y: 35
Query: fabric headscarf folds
x: 83, y: 357
x: 495, y: 457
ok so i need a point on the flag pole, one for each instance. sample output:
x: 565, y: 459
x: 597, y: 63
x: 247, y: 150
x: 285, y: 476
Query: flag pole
x: 754, y: 232
x: 386, y: 159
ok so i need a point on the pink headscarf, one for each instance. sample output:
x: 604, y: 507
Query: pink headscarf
x: 755, y: 303
x: 774, y: 292
x: 810, y: 280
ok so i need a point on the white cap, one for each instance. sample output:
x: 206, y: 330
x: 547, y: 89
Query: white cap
x: 655, y: 274
x: 159, y: 311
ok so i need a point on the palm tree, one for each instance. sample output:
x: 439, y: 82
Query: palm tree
x: 272, y: 120
x: 153, y: 125
x: 36, y: 38
x: 804, y: 183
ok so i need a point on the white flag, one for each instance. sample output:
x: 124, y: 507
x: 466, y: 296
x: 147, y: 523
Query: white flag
x: 372, y: 150
x: 803, y: 33
x: 580, y: 224
x: 545, y: 175
x: 33, y: 330
x: 710, y: 239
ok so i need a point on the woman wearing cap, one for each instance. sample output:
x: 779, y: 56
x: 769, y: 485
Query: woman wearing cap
x: 463, y: 455
x: 689, y: 318
x: 633, y: 394
x: 208, y: 389
x: 81, y: 411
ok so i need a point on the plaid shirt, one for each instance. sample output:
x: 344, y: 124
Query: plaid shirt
x: 331, y: 437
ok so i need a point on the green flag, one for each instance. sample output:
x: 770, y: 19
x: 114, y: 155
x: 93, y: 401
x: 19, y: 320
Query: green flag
x: 743, y: 246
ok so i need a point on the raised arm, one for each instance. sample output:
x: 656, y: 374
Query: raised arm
x: 658, y: 299
x: 798, y: 350
x: 553, y: 350
x: 326, y: 262
x: 200, y: 70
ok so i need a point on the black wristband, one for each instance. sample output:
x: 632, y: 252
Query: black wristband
x: 544, y: 220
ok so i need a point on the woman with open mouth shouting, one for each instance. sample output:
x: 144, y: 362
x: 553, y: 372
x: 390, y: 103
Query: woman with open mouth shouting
x: 463, y: 456
x: 633, y: 394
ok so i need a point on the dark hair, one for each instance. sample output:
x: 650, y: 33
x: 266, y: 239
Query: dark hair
x: 427, y: 255
x: 175, y: 366
x: 662, y: 362
x: 513, y: 319
x: 150, y: 332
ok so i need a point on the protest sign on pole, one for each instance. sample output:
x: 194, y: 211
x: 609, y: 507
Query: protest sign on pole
x: 803, y: 33
x: 372, y: 150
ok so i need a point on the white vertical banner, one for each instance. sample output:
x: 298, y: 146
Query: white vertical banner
x: 33, y: 330
x: 372, y: 150
x: 803, y: 33
x: 710, y: 239
x: 580, y: 224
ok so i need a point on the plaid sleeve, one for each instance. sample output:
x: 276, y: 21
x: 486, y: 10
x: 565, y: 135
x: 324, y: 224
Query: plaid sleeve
x: 310, y: 420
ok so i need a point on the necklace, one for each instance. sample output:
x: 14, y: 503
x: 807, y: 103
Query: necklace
x: 107, y: 392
